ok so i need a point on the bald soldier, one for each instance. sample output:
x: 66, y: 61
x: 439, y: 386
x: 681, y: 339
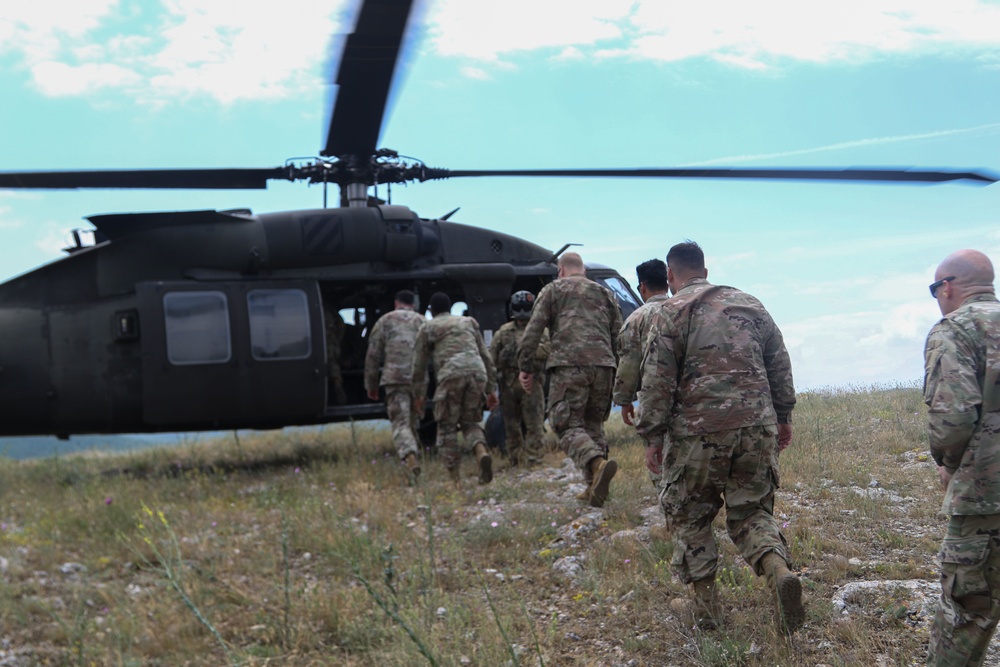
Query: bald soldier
x: 717, y: 381
x: 652, y: 277
x: 962, y: 392
x: 583, y: 320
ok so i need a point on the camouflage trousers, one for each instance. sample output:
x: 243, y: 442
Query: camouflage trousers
x: 579, y: 404
x: 400, y: 410
x: 969, y: 608
x: 738, y: 468
x: 458, y: 406
x: 523, y: 418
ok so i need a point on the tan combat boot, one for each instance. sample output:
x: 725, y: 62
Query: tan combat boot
x: 787, y: 590
x: 485, y: 462
x: 412, y: 466
x: 703, y: 606
x: 602, y: 470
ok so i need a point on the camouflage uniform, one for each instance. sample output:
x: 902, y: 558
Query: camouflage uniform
x: 516, y: 406
x: 582, y: 318
x: 389, y: 363
x: 962, y: 391
x: 631, y: 340
x: 716, y: 378
x: 464, y: 373
x: 334, y: 325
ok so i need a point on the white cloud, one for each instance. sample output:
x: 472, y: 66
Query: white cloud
x: 189, y: 47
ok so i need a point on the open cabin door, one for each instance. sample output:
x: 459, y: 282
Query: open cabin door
x: 232, y: 354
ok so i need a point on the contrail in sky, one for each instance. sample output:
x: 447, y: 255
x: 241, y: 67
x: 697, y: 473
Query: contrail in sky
x: 848, y: 144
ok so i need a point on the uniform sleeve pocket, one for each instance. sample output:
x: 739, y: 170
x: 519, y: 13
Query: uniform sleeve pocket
x: 963, y: 576
x: 672, y: 490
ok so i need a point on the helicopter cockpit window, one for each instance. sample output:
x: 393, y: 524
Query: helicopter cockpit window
x: 197, y: 327
x: 622, y: 293
x: 279, y: 324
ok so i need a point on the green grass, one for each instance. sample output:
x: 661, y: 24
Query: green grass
x: 309, y: 549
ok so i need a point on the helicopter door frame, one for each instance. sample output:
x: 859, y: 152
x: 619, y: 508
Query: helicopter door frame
x: 232, y: 353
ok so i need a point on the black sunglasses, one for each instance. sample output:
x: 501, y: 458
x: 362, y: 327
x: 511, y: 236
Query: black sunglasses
x: 937, y: 283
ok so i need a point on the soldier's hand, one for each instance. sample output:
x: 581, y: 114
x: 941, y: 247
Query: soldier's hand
x: 526, y: 380
x: 491, y: 400
x: 373, y: 394
x: 944, y: 476
x: 628, y: 414
x: 784, y: 436
x: 654, y: 459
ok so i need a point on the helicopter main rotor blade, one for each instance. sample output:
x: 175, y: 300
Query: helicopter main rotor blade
x: 202, y: 179
x: 900, y: 175
x: 365, y: 76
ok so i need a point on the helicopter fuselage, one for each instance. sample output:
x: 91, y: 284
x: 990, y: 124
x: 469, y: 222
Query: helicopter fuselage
x: 204, y: 320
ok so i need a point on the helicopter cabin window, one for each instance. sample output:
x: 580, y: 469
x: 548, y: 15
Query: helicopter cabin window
x: 197, y: 327
x: 279, y: 324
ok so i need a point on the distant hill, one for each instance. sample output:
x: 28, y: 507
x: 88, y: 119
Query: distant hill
x: 33, y: 447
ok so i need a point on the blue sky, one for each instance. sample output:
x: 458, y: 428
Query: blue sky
x: 553, y: 83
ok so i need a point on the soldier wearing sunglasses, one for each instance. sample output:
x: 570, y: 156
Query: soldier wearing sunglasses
x: 962, y: 390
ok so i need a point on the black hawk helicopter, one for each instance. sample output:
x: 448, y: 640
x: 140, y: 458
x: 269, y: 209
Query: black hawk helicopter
x: 206, y: 320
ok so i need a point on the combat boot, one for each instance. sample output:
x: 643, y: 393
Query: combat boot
x: 455, y: 475
x: 485, y: 462
x: 602, y: 470
x: 703, y: 606
x: 787, y: 591
x: 412, y: 466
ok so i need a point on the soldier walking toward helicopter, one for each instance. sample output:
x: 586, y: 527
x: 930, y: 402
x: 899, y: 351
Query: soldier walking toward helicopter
x: 517, y: 405
x: 583, y: 320
x: 465, y: 375
x: 389, y: 363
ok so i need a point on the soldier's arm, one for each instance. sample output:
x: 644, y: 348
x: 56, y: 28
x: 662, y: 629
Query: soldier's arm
x: 532, y: 337
x: 616, y: 324
x: 951, y: 392
x: 659, y: 383
x: 778, y: 365
x: 491, y: 369
x: 544, y: 348
x: 496, y: 348
x: 374, y: 358
x: 420, y: 357
x: 629, y: 359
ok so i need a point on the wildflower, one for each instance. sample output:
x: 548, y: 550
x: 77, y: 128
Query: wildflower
x: 298, y: 470
x: 785, y: 525
x: 108, y: 500
x: 494, y: 524
x: 628, y: 560
x: 553, y: 524
x: 214, y: 524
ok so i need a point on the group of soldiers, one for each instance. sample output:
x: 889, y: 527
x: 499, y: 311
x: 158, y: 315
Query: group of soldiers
x: 712, y: 378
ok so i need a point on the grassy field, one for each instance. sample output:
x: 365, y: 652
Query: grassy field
x: 309, y: 549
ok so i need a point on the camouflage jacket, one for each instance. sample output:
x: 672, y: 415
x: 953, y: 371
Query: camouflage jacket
x: 962, y: 392
x: 714, y: 361
x: 582, y: 318
x: 504, y: 348
x: 456, y: 346
x: 390, y: 348
x: 631, y: 340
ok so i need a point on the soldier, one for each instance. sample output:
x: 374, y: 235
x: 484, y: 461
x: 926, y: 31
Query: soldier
x: 334, y: 326
x: 389, y: 363
x: 717, y: 381
x: 962, y: 392
x: 652, y: 277
x: 464, y: 372
x: 583, y: 319
x: 516, y: 405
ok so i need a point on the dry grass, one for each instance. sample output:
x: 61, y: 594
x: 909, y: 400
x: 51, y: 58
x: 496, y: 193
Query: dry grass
x: 306, y: 548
